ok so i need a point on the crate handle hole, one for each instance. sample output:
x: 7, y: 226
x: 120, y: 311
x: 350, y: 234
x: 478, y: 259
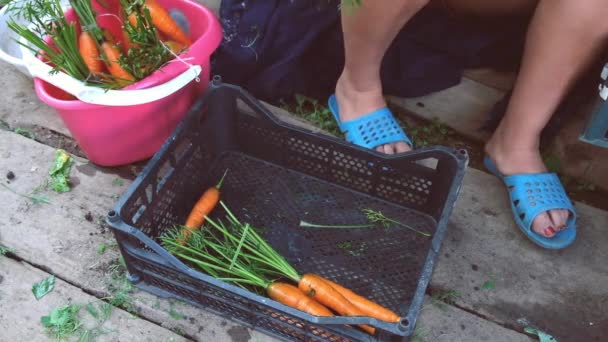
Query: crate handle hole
x: 404, y: 323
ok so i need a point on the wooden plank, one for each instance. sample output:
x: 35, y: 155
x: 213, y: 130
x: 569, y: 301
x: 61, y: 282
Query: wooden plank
x: 20, y: 311
x: 503, y: 276
x: 21, y: 107
x: 440, y: 322
x: 59, y: 238
x: 463, y: 107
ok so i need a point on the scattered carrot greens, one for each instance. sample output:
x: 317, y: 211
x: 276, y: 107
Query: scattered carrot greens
x: 60, y: 172
x: 378, y: 217
x: 43, y: 287
x: 33, y: 198
x: 63, y: 321
x: 305, y: 224
x: 5, y: 250
x: 372, y: 216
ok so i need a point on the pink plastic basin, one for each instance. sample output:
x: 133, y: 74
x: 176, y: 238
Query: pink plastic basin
x: 118, y: 135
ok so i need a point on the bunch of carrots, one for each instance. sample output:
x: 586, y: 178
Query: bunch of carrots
x: 150, y: 39
x: 235, y: 252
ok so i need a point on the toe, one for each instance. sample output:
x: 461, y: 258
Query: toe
x: 380, y: 149
x: 559, y: 218
x: 389, y: 149
x: 402, y: 146
x: 543, y: 225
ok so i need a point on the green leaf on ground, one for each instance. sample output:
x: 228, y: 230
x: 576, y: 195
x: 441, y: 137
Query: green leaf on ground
x: 118, y: 182
x: 543, y: 336
x: 103, y: 247
x: 43, y: 287
x: 62, y: 322
x: 420, y: 334
x: 60, y: 172
x: 25, y: 132
x: 91, y: 309
x: 488, y: 285
x: 447, y: 297
x: 174, y: 314
x: 6, y: 250
x: 101, y: 312
x: 120, y: 288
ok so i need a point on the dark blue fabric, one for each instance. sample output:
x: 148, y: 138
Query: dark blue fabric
x: 277, y: 48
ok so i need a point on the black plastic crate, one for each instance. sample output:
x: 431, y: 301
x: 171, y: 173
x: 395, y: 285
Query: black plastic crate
x: 281, y: 174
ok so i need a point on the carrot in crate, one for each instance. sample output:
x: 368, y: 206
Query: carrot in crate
x: 202, y: 208
x: 368, y: 307
x: 292, y: 296
x: 222, y: 261
x: 258, y: 253
x: 243, y: 251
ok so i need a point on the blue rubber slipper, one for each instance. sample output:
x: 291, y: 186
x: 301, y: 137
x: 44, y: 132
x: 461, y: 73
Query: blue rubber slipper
x: 532, y: 194
x: 374, y: 129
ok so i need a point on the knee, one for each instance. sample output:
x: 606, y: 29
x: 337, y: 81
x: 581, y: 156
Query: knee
x: 589, y: 16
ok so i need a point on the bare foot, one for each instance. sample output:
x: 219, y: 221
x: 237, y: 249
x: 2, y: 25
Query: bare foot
x: 511, y: 159
x: 354, y: 103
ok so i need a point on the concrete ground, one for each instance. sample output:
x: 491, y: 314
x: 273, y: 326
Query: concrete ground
x: 495, y: 281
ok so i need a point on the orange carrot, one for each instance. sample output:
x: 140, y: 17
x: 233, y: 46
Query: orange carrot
x: 318, y: 289
x: 205, y: 204
x: 126, y: 42
x: 202, y: 208
x: 133, y: 19
x: 90, y: 53
x: 163, y: 22
x: 292, y: 296
x: 366, y: 306
x: 174, y: 46
x: 112, y: 54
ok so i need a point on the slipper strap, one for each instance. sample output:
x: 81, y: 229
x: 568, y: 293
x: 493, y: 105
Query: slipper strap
x: 375, y: 129
x: 371, y: 130
x: 532, y: 194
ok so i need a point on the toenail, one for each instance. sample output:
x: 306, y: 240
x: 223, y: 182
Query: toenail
x: 549, y: 231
